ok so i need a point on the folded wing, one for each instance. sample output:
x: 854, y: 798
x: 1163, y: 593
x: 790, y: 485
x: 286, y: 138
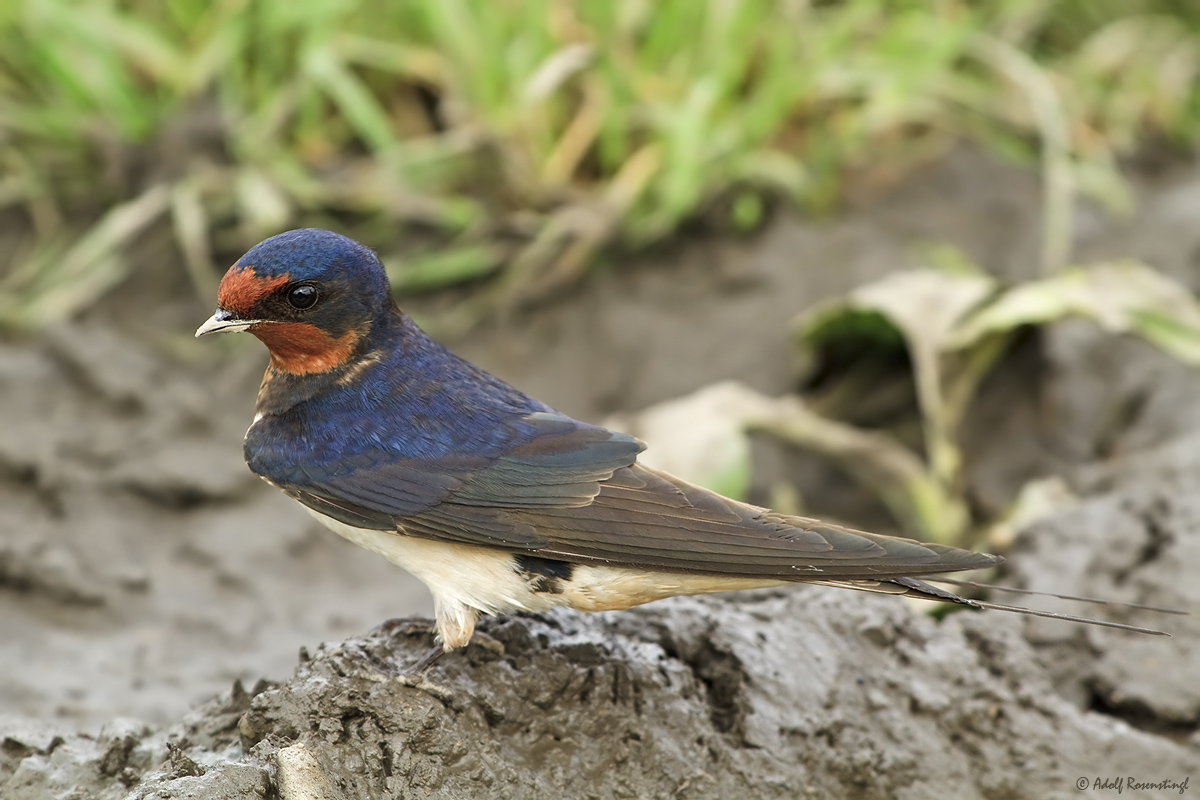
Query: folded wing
x: 566, y: 490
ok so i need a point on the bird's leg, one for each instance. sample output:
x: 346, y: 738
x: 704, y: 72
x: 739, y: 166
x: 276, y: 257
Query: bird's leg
x: 426, y: 661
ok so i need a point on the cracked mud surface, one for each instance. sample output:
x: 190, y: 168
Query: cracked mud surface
x: 144, y: 570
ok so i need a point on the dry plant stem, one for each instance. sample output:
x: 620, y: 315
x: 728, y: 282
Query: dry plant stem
x: 914, y: 496
x: 1053, y: 129
x: 191, y: 223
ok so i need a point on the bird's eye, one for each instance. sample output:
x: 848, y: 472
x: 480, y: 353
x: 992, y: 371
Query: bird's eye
x: 302, y: 296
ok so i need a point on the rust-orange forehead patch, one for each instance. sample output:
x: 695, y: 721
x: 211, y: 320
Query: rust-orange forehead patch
x: 241, y: 289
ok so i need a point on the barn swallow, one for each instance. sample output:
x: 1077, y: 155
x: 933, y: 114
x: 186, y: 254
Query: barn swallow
x: 494, y: 500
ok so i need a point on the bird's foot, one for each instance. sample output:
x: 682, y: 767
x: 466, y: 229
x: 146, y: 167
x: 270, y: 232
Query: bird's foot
x: 423, y: 684
x: 367, y: 667
x: 414, y: 676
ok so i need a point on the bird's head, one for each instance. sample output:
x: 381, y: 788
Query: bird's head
x: 311, y: 296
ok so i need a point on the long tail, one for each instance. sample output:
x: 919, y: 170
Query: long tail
x: 911, y: 587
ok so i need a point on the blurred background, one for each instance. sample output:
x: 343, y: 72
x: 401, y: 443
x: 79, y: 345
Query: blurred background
x: 909, y: 265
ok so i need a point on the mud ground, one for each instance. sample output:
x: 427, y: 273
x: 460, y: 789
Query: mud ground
x: 143, y: 570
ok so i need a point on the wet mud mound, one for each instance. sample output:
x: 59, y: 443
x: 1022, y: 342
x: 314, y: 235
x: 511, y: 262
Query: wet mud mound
x: 801, y: 693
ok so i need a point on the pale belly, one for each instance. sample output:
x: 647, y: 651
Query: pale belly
x: 467, y: 580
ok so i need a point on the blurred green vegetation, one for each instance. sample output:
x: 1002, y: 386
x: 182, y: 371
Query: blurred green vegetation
x: 515, y: 139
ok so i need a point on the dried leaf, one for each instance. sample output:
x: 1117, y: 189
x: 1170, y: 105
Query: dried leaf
x: 1124, y: 297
